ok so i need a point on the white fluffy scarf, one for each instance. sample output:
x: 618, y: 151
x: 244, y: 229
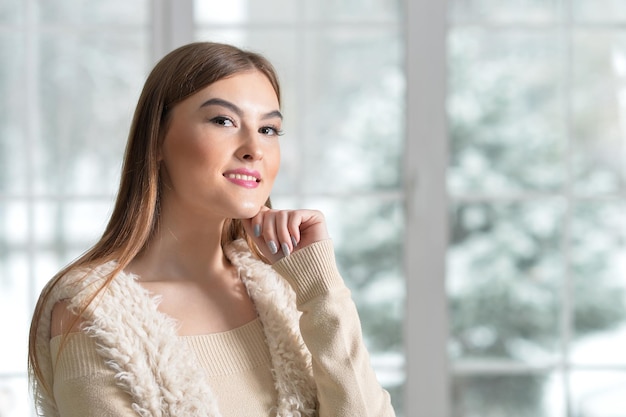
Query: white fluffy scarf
x: 155, y: 366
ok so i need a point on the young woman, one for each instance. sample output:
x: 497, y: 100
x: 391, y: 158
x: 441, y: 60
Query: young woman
x: 199, y: 299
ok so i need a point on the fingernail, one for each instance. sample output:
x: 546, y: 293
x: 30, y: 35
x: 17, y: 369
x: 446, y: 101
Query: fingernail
x: 273, y: 248
x: 293, y: 240
x: 257, y: 230
x: 285, y: 249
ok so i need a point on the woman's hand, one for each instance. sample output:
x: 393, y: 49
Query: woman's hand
x: 277, y: 233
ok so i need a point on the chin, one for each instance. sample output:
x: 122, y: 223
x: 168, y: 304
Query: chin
x: 247, y: 210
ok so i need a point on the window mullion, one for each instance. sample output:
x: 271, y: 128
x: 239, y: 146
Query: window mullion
x: 425, y: 166
x: 172, y: 25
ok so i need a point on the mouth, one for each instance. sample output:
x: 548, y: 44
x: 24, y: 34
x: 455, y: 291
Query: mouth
x: 242, y: 177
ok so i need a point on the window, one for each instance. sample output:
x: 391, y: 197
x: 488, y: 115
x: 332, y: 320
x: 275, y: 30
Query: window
x: 536, y: 180
x: 469, y: 160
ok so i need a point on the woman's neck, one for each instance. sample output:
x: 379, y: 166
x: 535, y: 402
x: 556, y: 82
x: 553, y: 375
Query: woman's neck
x: 183, y: 248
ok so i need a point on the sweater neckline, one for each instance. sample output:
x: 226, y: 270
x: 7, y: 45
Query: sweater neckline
x: 225, y: 333
x: 225, y: 353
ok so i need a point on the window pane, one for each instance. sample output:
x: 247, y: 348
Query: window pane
x: 599, y: 131
x: 14, y: 218
x: 505, y: 123
x: 117, y: 12
x: 74, y: 222
x: 14, y: 402
x: 89, y: 83
x: 14, y: 310
x: 13, y: 162
x: 599, y: 290
x: 507, y: 11
x: 243, y: 11
x: 599, y: 10
x: 10, y: 12
x: 504, y: 278
x: 598, y: 394
x: 354, y: 126
x: 508, y: 395
x: 354, y: 10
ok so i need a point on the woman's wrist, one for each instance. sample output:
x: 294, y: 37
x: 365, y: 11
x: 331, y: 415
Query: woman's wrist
x: 311, y: 270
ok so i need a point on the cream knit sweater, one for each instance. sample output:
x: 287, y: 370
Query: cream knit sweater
x: 303, y: 356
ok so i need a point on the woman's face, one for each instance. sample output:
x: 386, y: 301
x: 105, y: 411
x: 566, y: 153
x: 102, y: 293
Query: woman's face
x: 221, y: 153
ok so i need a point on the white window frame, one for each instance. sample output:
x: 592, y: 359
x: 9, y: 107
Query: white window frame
x: 172, y: 25
x: 426, y: 238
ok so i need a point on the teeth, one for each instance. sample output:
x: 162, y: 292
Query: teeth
x: 241, y: 177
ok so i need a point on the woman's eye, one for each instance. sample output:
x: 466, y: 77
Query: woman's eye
x: 222, y: 121
x: 270, y: 131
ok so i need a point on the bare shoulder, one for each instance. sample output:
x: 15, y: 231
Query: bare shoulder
x: 63, y: 320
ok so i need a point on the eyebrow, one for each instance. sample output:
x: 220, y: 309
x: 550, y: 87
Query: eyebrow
x: 231, y: 106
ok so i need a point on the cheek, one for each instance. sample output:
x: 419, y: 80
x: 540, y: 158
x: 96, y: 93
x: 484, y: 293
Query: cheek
x: 184, y: 152
x: 274, y: 163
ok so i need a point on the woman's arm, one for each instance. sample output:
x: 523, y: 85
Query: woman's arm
x: 83, y: 384
x: 93, y: 395
x: 330, y: 326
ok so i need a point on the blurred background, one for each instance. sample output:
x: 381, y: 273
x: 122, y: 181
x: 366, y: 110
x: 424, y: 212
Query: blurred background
x: 470, y: 157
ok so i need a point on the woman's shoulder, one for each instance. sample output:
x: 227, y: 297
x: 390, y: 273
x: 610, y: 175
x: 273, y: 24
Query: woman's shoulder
x: 73, y: 286
x: 86, y: 274
x: 64, y: 320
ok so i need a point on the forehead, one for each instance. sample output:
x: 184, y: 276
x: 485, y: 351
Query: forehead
x: 247, y: 86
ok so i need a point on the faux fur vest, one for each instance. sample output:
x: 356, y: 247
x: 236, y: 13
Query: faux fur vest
x: 155, y: 366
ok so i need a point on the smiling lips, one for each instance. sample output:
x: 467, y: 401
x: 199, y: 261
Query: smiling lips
x: 243, y: 177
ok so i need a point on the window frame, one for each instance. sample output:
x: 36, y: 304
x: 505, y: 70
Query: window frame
x: 426, y: 239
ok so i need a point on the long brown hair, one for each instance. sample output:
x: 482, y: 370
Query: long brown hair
x: 135, y: 216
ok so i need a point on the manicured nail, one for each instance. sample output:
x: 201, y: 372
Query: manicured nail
x: 285, y: 248
x: 273, y: 248
x: 293, y: 240
x: 257, y: 230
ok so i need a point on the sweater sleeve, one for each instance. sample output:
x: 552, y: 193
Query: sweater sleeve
x: 83, y: 385
x: 331, y: 330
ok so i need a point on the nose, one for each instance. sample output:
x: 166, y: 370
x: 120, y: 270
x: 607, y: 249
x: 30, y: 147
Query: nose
x: 250, y: 148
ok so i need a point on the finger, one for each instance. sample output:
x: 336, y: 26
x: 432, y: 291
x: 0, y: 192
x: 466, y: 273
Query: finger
x: 268, y: 231
x: 293, y: 227
x: 253, y: 226
x: 254, y: 229
x: 282, y: 232
x: 311, y: 226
